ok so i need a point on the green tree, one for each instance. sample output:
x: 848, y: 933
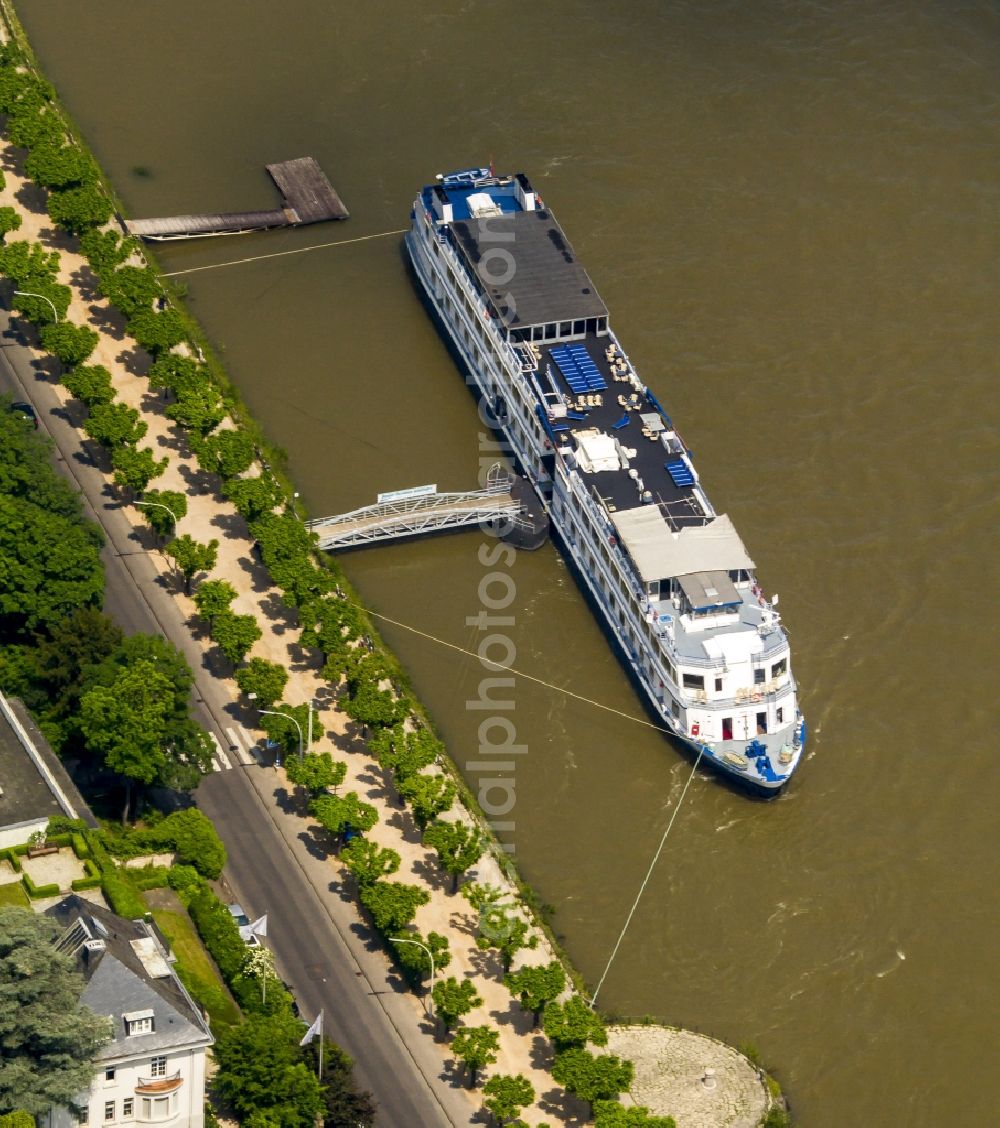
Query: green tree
x: 453, y: 999
x: 392, y: 904
x: 612, y: 1114
x: 125, y: 723
x: 157, y: 332
x: 262, y: 1071
x: 70, y: 342
x: 537, y: 986
x: 507, y: 931
x: 289, y: 725
x: 229, y: 452
x: 90, y: 383
x: 131, y: 288
x: 374, y: 707
x: 176, y: 373
x: 198, y: 408
x: 315, y: 773
x: 267, y: 680
x: 341, y: 813
x: 78, y: 209
x: 115, y: 424
x: 404, y: 753
x: 253, y: 497
x: 368, y: 861
x: 10, y: 220
x: 506, y: 1096
x: 30, y: 262
x: 592, y: 1078
x: 458, y: 846
x: 60, y: 166
x: 48, y: 1040
x: 49, y: 565
x: 135, y: 468
x: 234, y: 634
x: 162, y: 509
x: 29, y: 126
x: 45, y: 300
x: 212, y: 599
x: 476, y: 1047
x: 428, y: 796
x: 106, y: 249
x: 572, y: 1024
x: 413, y: 959
x: 192, y: 557
x: 346, y: 1106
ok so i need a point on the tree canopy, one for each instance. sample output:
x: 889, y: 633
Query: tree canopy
x: 592, y: 1078
x: 427, y: 796
x: 48, y: 1040
x: 458, y: 846
x: 572, y: 1024
x: 506, y: 1096
x: 613, y: 1114
x: 192, y: 557
x: 476, y: 1047
x: 537, y: 986
x: 368, y: 861
x: 70, y: 342
x: 454, y: 998
x: 340, y: 813
x: 392, y: 904
x: 315, y: 773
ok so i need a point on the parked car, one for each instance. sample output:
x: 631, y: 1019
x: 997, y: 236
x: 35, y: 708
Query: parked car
x: 243, y: 923
x: 27, y: 412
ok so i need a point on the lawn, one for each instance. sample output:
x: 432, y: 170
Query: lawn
x: 13, y: 894
x: 195, y: 968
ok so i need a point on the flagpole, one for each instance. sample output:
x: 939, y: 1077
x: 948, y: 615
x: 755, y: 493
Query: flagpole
x: 319, y: 1071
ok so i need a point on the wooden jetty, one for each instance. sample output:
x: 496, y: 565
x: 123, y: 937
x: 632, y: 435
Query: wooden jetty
x: 306, y: 197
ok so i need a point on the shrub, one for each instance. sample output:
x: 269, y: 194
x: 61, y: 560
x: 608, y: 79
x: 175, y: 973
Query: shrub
x: 195, y: 840
x: 122, y: 895
x: 35, y: 891
x: 185, y: 881
x: 79, y: 844
x: 219, y: 932
x: 149, y: 877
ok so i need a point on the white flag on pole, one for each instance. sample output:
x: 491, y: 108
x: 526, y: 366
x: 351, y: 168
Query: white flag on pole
x: 314, y: 1031
x: 258, y: 927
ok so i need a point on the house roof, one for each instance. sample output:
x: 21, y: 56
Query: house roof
x: 131, y: 973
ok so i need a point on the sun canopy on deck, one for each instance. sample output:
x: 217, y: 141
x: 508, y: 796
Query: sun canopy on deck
x: 660, y: 553
x: 709, y: 589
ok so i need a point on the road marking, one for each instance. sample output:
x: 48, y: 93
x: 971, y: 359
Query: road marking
x: 237, y: 745
x: 220, y: 757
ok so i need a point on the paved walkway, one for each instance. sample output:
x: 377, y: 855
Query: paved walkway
x: 210, y: 516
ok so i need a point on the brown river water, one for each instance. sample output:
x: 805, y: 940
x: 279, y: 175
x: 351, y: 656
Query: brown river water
x: 790, y: 208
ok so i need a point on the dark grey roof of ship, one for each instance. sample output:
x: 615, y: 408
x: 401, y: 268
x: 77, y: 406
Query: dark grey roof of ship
x: 547, y: 282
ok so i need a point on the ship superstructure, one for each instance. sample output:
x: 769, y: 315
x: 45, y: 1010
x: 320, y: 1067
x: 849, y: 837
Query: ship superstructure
x: 671, y: 578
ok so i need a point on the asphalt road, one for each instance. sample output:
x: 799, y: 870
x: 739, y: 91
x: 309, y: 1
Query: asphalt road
x: 309, y: 930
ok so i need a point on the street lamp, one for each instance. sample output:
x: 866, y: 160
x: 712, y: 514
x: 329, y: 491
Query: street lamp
x: 288, y: 717
x: 430, y: 956
x: 29, y: 294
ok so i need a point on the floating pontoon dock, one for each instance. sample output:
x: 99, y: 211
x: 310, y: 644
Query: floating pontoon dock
x: 306, y: 197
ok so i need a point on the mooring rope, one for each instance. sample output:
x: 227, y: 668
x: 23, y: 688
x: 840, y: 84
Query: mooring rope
x: 280, y: 254
x: 520, y: 673
x: 645, y: 880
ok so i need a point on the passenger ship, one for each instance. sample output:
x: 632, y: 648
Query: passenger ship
x: 673, y: 581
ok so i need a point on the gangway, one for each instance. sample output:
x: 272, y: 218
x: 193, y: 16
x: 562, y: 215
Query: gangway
x: 419, y: 511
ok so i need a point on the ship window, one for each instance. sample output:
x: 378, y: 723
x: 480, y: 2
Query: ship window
x: 779, y: 716
x: 779, y: 668
x: 718, y: 685
x: 579, y: 328
x: 694, y: 681
x: 759, y: 677
x: 602, y: 325
x: 550, y: 332
x: 591, y: 325
x: 675, y: 710
x: 671, y: 673
x: 565, y: 328
x: 761, y: 724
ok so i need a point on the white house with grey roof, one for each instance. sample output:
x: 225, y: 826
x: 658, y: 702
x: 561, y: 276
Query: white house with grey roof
x: 153, y: 1069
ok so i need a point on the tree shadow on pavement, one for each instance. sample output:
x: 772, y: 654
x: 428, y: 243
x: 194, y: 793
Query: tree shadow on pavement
x: 401, y: 821
x: 522, y: 1021
x: 135, y: 361
x: 566, y: 1108
x: 464, y: 922
x: 431, y: 874
x: 260, y: 580
x: 282, y: 617
x: 107, y: 320
x: 32, y: 198
x: 84, y: 281
x: 316, y: 841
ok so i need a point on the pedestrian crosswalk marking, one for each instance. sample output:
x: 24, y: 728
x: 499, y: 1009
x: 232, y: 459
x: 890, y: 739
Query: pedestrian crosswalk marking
x: 220, y: 759
x: 241, y: 743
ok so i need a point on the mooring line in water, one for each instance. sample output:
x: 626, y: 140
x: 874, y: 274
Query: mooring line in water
x: 520, y: 673
x: 645, y: 880
x: 280, y: 254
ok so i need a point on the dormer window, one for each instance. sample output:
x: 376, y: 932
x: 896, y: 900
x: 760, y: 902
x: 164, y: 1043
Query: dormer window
x: 138, y: 1022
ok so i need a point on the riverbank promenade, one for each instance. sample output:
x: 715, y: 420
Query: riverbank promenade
x: 522, y: 1050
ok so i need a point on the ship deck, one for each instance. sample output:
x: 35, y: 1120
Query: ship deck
x: 618, y: 490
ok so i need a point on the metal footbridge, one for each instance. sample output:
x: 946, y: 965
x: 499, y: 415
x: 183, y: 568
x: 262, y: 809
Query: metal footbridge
x: 419, y: 511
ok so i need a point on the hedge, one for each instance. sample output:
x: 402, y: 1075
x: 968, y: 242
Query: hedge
x: 10, y: 855
x: 188, y: 834
x: 91, y: 881
x: 122, y: 895
x: 219, y: 932
x: 36, y: 891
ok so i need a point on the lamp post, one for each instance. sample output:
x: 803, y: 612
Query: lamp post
x: 430, y: 956
x: 288, y: 717
x: 29, y: 294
